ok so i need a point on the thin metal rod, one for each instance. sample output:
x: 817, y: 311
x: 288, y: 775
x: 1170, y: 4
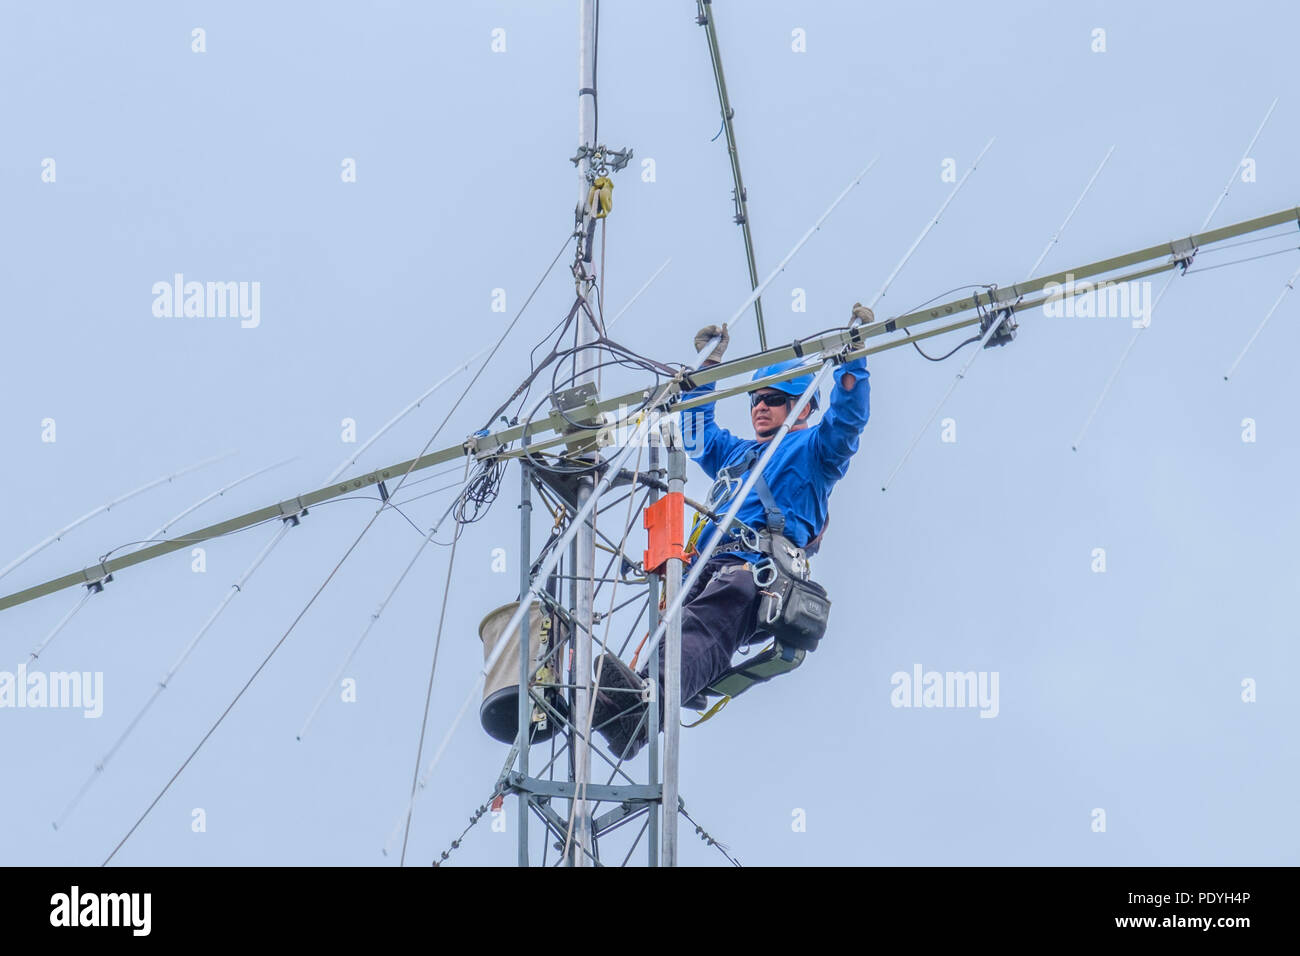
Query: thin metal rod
x: 648, y: 823
x: 171, y: 672
x: 352, y: 459
x: 574, y: 577
x: 428, y: 694
x: 38, y: 548
x: 162, y: 529
x: 580, y: 824
x: 916, y: 439
x: 1290, y: 284
x: 622, y: 604
x: 933, y: 222
x: 1237, y: 169
x: 525, y: 643
x: 1073, y: 209
x: 652, y: 602
x: 618, y: 315
x: 576, y: 738
x: 673, y: 595
x: 585, y: 719
x: 993, y: 327
x: 333, y: 683
x: 1123, y: 358
x: 63, y: 622
x: 652, y: 581
x: 1144, y: 325
x: 753, y: 296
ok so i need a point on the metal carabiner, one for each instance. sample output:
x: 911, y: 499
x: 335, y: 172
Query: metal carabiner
x: 722, y: 490
x: 774, y: 609
x: 765, y: 573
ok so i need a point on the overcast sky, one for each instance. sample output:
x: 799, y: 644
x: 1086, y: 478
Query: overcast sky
x: 1118, y: 690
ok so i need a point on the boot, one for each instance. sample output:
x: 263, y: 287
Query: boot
x: 620, y: 717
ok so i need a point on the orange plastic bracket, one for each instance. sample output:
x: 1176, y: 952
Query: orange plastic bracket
x: 665, y: 522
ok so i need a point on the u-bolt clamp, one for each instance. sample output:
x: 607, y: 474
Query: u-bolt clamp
x: 1182, y: 252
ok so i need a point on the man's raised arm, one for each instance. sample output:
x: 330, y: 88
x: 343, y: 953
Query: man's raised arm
x: 846, y: 416
x: 706, y: 442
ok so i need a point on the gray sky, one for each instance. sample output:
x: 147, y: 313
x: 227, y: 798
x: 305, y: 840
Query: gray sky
x: 1119, y: 690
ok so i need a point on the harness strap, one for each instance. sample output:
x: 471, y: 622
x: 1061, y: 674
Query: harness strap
x: 774, y: 517
x: 774, y: 661
x: 815, y: 545
x: 705, y: 715
x: 728, y: 548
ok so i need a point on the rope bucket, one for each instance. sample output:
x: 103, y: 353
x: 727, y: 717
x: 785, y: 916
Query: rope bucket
x: 499, y: 713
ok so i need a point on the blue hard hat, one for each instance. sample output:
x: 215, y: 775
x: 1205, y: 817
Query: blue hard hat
x: 793, y: 387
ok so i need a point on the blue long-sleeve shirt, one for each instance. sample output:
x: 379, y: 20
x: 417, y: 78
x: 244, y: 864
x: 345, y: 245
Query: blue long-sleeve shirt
x: 805, y: 466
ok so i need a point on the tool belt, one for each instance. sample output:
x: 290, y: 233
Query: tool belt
x: 792, y: 608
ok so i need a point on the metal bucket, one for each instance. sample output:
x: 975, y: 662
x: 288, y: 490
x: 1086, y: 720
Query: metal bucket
x: 499, y: 713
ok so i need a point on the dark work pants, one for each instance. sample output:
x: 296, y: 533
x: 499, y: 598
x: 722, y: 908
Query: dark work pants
x: 719, y: 615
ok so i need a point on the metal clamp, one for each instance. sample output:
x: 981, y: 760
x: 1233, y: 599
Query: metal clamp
x: 95, y: 578
x: 94, y: 587
x: 482, y: 444
x: 602, y: 159
x: 291, y: 511
x: 1002, y: 308
x: 1182, y: 252
x: 1006, y: 298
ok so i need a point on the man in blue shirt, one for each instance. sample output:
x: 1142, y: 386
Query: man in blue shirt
x: 720, y: 613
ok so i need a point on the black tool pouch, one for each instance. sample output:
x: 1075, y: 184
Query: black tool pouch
x: 791, y: 608
x: 794, y: 612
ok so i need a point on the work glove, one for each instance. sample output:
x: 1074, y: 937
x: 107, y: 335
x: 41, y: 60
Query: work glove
x: 710, y: 332
x: 862, y: 314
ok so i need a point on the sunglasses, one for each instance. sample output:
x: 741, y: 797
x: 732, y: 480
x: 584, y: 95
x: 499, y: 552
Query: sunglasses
x: 770, y: 399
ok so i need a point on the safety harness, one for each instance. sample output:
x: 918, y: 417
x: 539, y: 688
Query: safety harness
x: 793, y: 609
x: 727, y: 484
